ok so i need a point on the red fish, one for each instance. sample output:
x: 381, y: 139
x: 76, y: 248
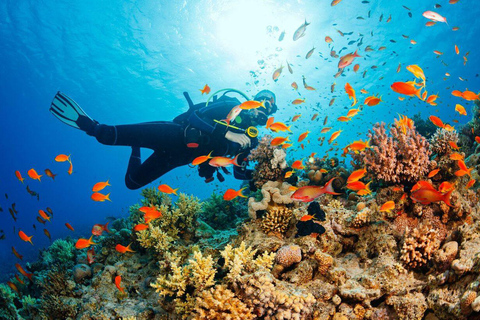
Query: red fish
x: 13, y: 287
x: 427, y: 194
x: 23, y: 272
x: 18, y: 255
x: 231, y: 194
x: 223, y: 161
x: 387, y: 206
x: 50, y: 174
x: 310, y: 193
x: 19, y: 176
x: 84, y: 243
x: 118, y: 281
x: 140, y: 227
x: 34, y: 175
x: 206, y: 89
x: 98, y: 197
x: 357, y: 175
x: 44, y: 215
x: 62, y: 158
x: 150, y: 213
x: 167, y: 189
x: 307, y: 217
x: 406, y: 89
x: 201, y: 159
x: 90, y: 255
x: 69, y: 226
x: 98, y: 229
x: 100, y: 186
x: 123, y: 249
x: 24, y: 237
x: 347, y: 59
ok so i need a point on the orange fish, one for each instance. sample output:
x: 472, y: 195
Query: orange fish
x: 453, y: 145
x: 430, y: 23
x: 328, y: 39
x: 372, y: 101
x: 18, y: 255
x: 387, y: 206
x: 84, y: 243
x: 457, y: 51
x: 365, y: 191
x: 298, y: 101
x: 118, y: 281
x: 140, y: 227
x: 24, y: 237
x: 19, y: 280
x: 445, y: 186
x: 150, y: 213
x: 344, y: 119
x: 23, y: 272
x: 427, y: 194
x: 62, y: 158
x: 34, y: 175
x: 413, y: 42
x: 288, y: 174
x: 470, y: 183
x: 314, y: 116
x: 295, y: 117
x: 19, y: 176
x: 351, y: 93
x: 356, y: 67
x: 436, y: 121
x: 100, y: 186
x: 47, y: 233
x: 252, y: 104
x: 347, y: 59
x: 269, y: 122
x: 294, y: 85
x: 69, y: 226
x: 359, y: 145
x: 13, y: 287
x: 334, y: 136
x: 44, y: 215
x: 123, y: 249
x: 406, y: 89
x: 50, y: 174
x: 356, y: 175
x: 206, y: 89
x: 326, y: 129
x: 278, y: 141
x: 310, y: 193
x: 334, y: 3
x: 41, y: 220
x: 356, y: 185
x: 98, y: 229
x: 201, y: 159
x: 352, y: 113
x: 460, y: 109
x: 463, y: 169
x: 279, y: 127
x: 437, y: 52
x: 276, y: 74
x: 286, y: 145
x: 363, y: 91
x: 167, y: 189
x: 477, y: 140
x: 231, y: 194
x: 470, y: 96
x: 303, y: 136
x: 456, y: 156
x: 331, y: 102
x: 223, y: 162
x: 70, y: 169
x: 433, y: 173
x: 298, y: 165
x: 307, y: 217
x: 100, y: 197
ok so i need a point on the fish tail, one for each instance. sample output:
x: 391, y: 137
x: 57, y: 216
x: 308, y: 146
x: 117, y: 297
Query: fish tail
x: 235, y: 160
x: 175, y: 191
x: 30, y: 240
x: 128, y: 248
x: 240, y: 194
x: 108, y: 184
x: 105, y: 227
x: 446, y: 198
x: 418, y: 93
x: 356, y: 54
x: 107, y: 197
x: 29, y: 276
x: 90, y: 240
x: 328, y: 188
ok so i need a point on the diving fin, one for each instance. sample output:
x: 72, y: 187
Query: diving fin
x: 70, y: 113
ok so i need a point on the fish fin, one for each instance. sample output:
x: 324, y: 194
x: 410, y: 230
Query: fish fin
x: 235, y: 160
x: 107, y: 197
x: 105, y: 227
x: 355, y: 54
x: 175, y: 191
x: 446, y: 198
x: 108, y: 184
x: 240, y: 194
x: 328, y: 187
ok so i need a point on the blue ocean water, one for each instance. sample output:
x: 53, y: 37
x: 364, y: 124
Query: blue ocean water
x: 129, y: 61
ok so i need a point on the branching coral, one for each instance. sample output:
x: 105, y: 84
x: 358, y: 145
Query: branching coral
x: 270, y: 161
x: 419, y: 246
x: 276, y: 220
x: 221, y: 214
x: 60, y: 252
x: 401, y: 157
x: 241, y: 260
x: 439, y: 142
x: 220, y: 303
x: 199, y: 274
x: 8, y: 310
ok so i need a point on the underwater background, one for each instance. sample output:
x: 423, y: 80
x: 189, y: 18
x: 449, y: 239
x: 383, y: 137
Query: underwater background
x: 130, y: 61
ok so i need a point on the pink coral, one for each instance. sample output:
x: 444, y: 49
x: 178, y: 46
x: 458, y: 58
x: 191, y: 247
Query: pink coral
x: 400, y: 157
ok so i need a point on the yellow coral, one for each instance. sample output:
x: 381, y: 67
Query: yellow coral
x: 239, y: 260
x: 335, y: 204
x: 219, y: 303
x: 199, y: 273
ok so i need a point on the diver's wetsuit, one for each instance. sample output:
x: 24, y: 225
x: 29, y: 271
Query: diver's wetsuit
x: 169, y: 139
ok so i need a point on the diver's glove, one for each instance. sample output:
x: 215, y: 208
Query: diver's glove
x: 239, y: 138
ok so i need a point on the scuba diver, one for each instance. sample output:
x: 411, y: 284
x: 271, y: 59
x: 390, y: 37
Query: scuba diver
x: 200, y: 130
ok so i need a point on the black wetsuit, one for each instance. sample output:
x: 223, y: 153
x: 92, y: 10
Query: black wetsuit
x: 169, y: 140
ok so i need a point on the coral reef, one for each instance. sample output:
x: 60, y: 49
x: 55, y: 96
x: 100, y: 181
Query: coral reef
x: 221, y: 214
x: 398, y: 157
x: 270, y: 162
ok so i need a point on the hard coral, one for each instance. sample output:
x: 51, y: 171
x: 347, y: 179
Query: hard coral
x: 220, y: 303
x: 272, y: 193
x: 288, y: 255
x: 400, y: 157
x: 419, y: 246
x: 270, y: 161
x: 276, y: 220
x: 439, y: 142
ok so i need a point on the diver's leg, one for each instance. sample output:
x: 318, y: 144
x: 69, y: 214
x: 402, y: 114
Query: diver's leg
x: 159, y: 163
x: 153, y: 135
